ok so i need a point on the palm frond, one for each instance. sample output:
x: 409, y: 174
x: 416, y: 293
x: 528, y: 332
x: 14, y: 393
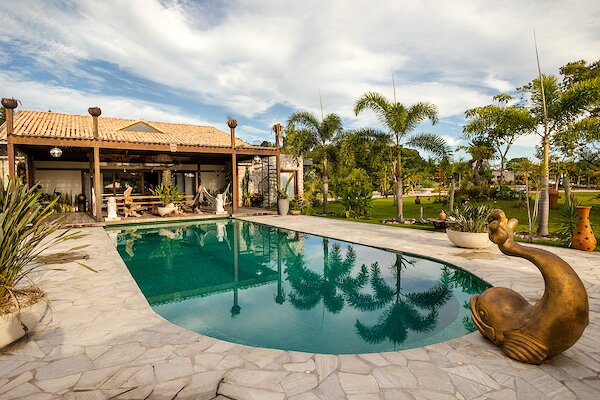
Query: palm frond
x: 431, y: 143
x: 373, y: 101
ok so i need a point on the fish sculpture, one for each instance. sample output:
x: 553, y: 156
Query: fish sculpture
x: 526, y: 332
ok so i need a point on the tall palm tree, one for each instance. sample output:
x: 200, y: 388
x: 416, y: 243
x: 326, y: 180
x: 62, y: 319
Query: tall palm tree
x: 306, y: 133
x: 400, y: 121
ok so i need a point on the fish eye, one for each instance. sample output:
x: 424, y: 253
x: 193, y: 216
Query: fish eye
x: 483, y: 313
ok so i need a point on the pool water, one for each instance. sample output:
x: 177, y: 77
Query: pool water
x: 262, y: 286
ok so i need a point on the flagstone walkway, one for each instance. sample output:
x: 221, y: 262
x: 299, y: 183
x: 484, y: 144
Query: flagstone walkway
x: 102, y: 340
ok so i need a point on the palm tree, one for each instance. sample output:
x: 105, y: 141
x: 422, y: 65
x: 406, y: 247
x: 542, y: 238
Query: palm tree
x: 305, y: 133
x: 400, y: 121
x: 560, y: 108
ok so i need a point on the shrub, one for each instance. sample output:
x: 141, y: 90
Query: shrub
x: 24, y: 233
x: 168, y: 194
x: 355, y: 194
x: 470, y: 218
x: 567, y: 220
x: 257, y: 199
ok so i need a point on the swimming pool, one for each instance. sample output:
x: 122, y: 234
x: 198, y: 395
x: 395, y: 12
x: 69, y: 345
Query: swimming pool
x: 263, y: 286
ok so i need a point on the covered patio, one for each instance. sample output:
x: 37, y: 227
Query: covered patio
x: 92, y: 158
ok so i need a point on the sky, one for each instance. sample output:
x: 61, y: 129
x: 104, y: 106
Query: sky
x: 201, y: 61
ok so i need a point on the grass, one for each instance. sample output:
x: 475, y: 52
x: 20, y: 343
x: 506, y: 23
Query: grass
x: 384, y: 209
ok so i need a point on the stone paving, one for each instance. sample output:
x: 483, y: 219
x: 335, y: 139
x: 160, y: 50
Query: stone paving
x: 102, y: 340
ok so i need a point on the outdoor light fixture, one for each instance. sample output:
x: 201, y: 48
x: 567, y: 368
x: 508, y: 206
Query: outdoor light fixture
x: 189, y: 175
x: 55, y: 152
x: 257, y: 159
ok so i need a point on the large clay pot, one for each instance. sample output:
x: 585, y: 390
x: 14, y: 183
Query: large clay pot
x: 11, y: 325
x: 283, y: 206
x: 469, y: 240
x: 583, y: 237
x: 553, y: 195
x: 170, y: 208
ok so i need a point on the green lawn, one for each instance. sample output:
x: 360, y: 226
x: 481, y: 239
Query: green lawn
x: 384, y: 209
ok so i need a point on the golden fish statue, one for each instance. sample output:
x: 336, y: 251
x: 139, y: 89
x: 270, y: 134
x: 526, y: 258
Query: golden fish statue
x: 525, y: 332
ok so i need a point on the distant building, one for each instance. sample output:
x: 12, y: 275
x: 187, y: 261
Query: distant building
x: 508, y: 176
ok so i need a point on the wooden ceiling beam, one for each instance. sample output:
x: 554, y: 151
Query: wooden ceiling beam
x: 151, y: 147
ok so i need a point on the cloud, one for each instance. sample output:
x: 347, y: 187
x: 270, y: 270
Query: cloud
x: 248, y: 57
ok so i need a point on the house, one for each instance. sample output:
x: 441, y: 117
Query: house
x: 72, y: 154
x: 508, y: 176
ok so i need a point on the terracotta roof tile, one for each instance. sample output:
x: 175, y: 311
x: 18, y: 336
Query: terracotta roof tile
x: 73, y: 126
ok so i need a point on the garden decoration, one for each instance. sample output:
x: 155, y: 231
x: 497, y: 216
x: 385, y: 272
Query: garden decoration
x: 583, y: 237
x: 525, y: 332
x: 218, y: 199
x: 129, y: 207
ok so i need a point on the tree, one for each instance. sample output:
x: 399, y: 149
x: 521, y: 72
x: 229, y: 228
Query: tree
x: 499, y: 125
x: 306, y: 134
x: 400, y: 121
x: 571, y: 106
x: 481, y: 152
x: 365, y: 149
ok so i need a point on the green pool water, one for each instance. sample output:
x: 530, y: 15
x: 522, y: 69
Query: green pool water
x: 262, y: 286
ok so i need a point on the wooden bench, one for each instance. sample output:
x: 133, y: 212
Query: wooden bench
x: 145, y: 202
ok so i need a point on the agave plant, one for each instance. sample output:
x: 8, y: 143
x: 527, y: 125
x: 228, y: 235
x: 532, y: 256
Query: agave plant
x: 471, y: 218
x: 168, y: 194
x: 25, y: 232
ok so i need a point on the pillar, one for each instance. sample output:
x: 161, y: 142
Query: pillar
x: 9, y: 105
x: 232, y: 123
x: 29, y: 171
x: 95, y: 113
x: 278, y: 129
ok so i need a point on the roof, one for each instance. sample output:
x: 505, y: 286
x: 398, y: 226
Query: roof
x: 72, y: 126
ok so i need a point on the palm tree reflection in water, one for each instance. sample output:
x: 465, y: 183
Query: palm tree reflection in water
x: 470, y: 284
x: 336, y: 287
x: 402, y: 312
x: 309, y: 287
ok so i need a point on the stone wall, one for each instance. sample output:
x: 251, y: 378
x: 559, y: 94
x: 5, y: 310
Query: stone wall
x: 263, y: 176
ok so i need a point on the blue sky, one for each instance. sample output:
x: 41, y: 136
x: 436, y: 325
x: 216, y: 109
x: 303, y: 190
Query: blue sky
x: 199, y: 61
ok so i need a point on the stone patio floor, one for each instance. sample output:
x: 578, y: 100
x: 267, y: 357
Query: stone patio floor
x: 102, y: 340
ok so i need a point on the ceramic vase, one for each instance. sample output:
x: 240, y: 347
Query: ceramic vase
x: 283, y: 205
x: 443, y: 215
x: 583, y: 237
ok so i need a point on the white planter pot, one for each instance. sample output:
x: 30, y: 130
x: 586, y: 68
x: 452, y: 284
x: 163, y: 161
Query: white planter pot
x: 283, y: 206
x: 469, y: 240
x: 10, y: 324
x: 162, y: 211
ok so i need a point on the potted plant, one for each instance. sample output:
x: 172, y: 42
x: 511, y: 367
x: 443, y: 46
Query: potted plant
x: 25, y: 233
x: 169, y: 196
x: 283, y: 201
x: 468, y: 227
x: 296, y: 205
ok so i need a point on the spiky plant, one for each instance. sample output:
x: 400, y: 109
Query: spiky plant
x: 25, y: 232
x: 471, y: 218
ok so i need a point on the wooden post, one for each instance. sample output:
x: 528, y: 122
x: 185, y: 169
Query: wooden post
x: 278, y: 130
x: 10, y: 105
x: 97, y: 183
x: 232, y: 123
x: 30, y: 171
x: 95, y: 113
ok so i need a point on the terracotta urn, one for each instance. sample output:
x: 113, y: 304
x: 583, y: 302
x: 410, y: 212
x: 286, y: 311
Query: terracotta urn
x: 583, y: 237
x: 443, y: 215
